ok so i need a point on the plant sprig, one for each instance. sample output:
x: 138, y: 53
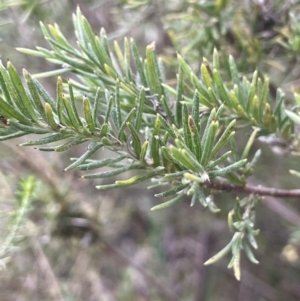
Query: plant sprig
x: 126, y: 107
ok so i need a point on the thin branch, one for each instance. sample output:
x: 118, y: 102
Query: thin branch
x: 280, y: 207
x: 258, y: 190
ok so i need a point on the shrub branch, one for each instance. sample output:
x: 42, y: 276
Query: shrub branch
x: 257, y: 190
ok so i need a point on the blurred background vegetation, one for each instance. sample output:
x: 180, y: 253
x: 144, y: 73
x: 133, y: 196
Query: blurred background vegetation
x: 76, y: 243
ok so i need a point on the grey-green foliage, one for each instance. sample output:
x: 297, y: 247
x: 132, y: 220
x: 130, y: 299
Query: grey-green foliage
x: 176, y: 137
x: 24, y: 197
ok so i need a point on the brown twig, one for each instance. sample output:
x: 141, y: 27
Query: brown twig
x: 257, y: 190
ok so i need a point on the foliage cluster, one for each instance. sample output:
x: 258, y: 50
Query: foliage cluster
x: 180, y: 136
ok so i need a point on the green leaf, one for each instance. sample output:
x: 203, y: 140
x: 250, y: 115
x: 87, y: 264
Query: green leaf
x: 73, y: 104
x: 206, y: 76
x: 140, y: 178
x: 28, y: 129
x: 166, y: 108
x: 119, y: 54
x: 45, y: 95
x: 108, y: 187
x: 174, y: 158
x: 216, y: 64
x: 138, y: 63
x: 12, y: 113
x: 223, y: 94
x: 118, y: 104
x: 34, y: 94
x: 109, y: 71
x: 249, y: 253
x: 194, y: 178
x: 59, y: 100
x: 50, y: 118
x: 195, y: 110
x: 12, y: 136
x: 4, y: 83
x: 294, y: 173
x: 226, y: 136
x: 127, y: 119
x: 293, y: 116
x: 127, y: 59
x: 227, y: 169
x: 249, y: 144
x: 189, y: 156
x: 114, y: 172
x: 220, y: 254
x: 237, y: 267
x: 97, y: 164
x: 153, y: 73
x: 169, y: 203
x: 140, y: 109
x: 186, y: 129
x: 185, y: 67
x: 180, y: 159
x: 171, y: 191
x: 22, y: 101
x: 219, y: 160
x: 233, y: 70
x: 136, y: 139
x: 208, y: 143
x: 57, y: 35
x: 103, y: 130
x: 212, y: 116
x: 91, y: 149
x: 200, y: 196
x: 179, y: 95
x: 211, y: 205
x: 96, y: 107
x: 154, y: 144
x: 251, y: 239
x: 196, y: 142
x: 64, y: 147
x: 109, y: 101
x: 49, y: 139
x: 71, y: 114
x: 31, y: 52
x: 88, y: 115
x: 144, y: 149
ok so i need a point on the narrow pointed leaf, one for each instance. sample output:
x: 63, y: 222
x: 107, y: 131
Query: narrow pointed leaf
x: 23, y: 102
x: 171, y: 191
x: 101, y: 163
x: 50, y: 118
x: 69, y: 144
x: 114, y: 172
x: 219, y: 255
x: 12, y: 113
x: 179, y: 94
x: 140, y: 178
x: 169, y: 203
x: 49, y: 139
x: 91, y: 149
x: 227, y: 169
x: 135, y: 139
x: 226, y: 136
x: 140, y: 109
x: 138, y: 63
x: 73, y: 120
x: 88, y: 115
x: 208, y: 143
x: 127, y: 119
x: 28, y: 129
